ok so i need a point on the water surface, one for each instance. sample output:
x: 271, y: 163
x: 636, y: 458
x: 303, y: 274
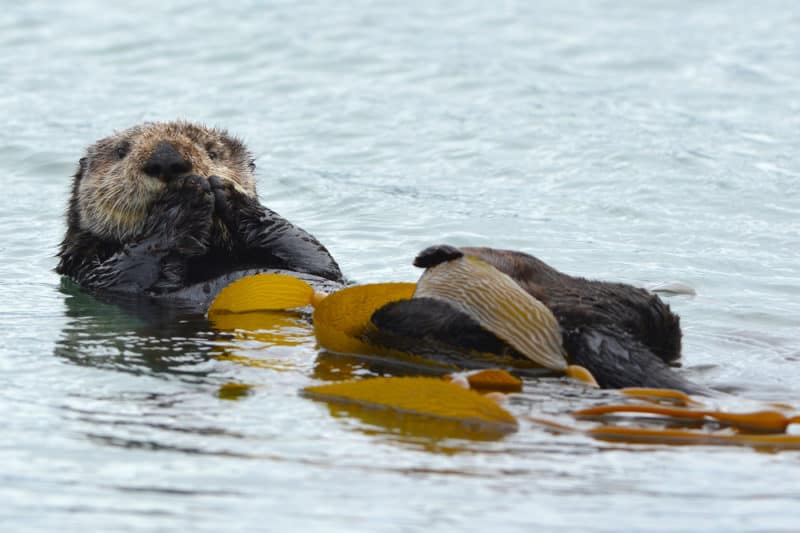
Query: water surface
x: 642, y: 142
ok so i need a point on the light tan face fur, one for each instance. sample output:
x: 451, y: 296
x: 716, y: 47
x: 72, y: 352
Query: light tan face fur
x: 114, y: 194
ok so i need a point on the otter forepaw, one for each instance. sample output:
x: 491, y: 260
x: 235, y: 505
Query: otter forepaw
x: 189, y: 198
x: 222, y: 195
x: 184, y: 217
x: 191, y: 185
x: 232, y: 206
x: 433, y: 255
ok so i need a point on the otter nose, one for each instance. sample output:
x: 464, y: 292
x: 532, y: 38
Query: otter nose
x: 166, y: 163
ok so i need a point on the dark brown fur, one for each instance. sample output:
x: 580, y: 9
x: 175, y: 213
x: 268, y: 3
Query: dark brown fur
x: 164, y: 205
x: 624, y: 335
x: 577, y: 301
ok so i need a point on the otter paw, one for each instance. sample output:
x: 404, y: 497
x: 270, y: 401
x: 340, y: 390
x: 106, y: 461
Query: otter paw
x: 193, y: 194
x: 222, y: 195
x: 433, y: 255
x: 231, y: 205
x: 186, y: 215
x: 191, y: 183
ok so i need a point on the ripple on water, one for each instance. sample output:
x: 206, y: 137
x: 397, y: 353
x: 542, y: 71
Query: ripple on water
x: 630, y: 141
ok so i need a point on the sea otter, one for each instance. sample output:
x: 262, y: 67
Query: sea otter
x: 625, y: 336
x: 170, y: 208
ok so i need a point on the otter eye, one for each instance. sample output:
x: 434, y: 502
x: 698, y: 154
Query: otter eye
x: 212, y: 151
x: 122, y: 150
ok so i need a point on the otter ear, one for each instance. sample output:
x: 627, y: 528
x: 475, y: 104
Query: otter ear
x: 236, y: 147
x: 82, y: 164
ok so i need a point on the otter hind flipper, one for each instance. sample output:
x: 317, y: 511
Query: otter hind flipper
x: 429, y: 319
x: 434, y: 255
x: 617, y: 360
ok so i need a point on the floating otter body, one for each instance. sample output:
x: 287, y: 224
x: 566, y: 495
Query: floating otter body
x: 169, y: 211
x: 166, y: 210
x: 624, y: 335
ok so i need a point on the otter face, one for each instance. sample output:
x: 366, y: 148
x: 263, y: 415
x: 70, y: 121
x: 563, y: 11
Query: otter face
x: 122, y: 175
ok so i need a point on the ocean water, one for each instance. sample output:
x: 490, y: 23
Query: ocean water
x: 642, y: 142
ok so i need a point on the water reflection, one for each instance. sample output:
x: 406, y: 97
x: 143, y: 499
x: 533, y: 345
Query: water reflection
x: 137, y: 335
x: 272, y: 328
x: 330, y: 366
x: 141, y: 338
x: 430, y: 432
x: 133, y: 336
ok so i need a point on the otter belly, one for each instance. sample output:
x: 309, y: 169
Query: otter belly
x: 198, y: 296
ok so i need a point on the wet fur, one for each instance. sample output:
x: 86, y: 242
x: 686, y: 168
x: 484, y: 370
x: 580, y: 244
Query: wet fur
x: 130, y: 232
x: 577, y: 301
x: 624, y: 335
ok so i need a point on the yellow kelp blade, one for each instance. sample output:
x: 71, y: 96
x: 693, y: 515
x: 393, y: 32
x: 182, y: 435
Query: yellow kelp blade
x: 676, y: 437
x: 341, y: 319
x: 491, y: 380
x: 233, y: 391
x: 687, y: 437
x: 758, y: 422
x: 499, y: 305
x: 429, y: 397
x: 582, y: 374
x: 660, y: 396
x: 262, y: 292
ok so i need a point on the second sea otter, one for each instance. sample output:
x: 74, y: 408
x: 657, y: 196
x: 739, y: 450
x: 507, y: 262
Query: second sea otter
x: 625, y: 336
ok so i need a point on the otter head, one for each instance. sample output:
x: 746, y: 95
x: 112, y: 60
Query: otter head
x: 121, y: 176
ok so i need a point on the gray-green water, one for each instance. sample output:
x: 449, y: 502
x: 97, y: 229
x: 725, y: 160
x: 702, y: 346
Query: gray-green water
x: 634, y: 141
